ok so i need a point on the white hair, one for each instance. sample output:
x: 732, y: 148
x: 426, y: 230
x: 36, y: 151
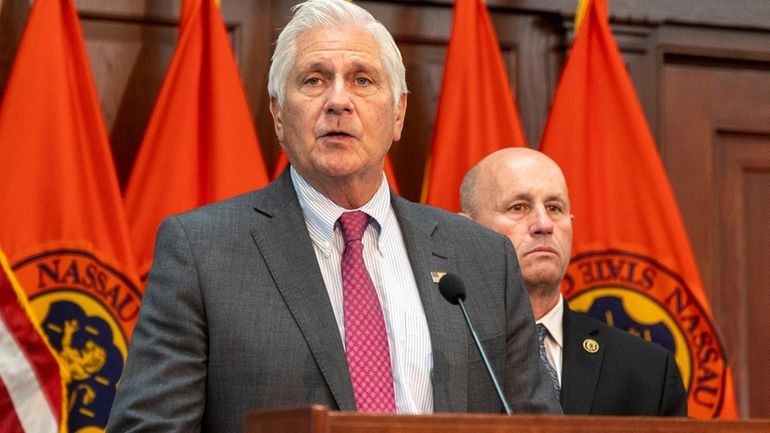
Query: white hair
x: 320, y: 13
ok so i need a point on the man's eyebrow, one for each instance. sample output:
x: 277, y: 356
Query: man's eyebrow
x: 355, y: 67
x: 367, y: 65
x: 522, y: 196
x: 312, y: 66
x: 556, y: 197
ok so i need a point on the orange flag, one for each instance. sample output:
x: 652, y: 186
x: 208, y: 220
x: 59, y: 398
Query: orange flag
x: 476, y: 113
x: 62, y: 223
x: 31, y: 381
x: 283, y: 161
x: 632, y: 263
x: 200, y: 145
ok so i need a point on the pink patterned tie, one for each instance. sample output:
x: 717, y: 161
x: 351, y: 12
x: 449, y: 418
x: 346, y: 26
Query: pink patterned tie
x: 366, y: 340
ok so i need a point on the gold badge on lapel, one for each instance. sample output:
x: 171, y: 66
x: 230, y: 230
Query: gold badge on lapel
x: 590, y: 345
x: 436, y: 276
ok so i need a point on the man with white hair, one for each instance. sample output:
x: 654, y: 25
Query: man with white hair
x: 322, y: 287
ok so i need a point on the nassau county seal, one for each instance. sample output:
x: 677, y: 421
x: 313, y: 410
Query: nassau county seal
x: 87, y: 310
x: 638, y: 294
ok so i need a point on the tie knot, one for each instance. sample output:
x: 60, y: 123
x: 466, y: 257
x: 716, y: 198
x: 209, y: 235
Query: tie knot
x: 542, y: 331
x: 353, y: 225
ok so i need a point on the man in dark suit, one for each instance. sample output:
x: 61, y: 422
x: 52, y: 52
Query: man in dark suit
x: 596, y: 369
x: 322, y: 287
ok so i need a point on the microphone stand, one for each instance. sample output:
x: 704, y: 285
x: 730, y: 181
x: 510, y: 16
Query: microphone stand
x: 499, y: 390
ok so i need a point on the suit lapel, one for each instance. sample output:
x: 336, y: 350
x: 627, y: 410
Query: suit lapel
x: 282, y: 238
x: 580, y: 368
x: 428, y: 252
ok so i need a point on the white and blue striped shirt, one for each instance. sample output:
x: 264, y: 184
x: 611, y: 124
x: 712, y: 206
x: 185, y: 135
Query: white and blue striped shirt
x: 388, y: 264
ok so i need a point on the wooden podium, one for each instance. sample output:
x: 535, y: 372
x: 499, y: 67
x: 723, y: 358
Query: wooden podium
x: 317, y: 419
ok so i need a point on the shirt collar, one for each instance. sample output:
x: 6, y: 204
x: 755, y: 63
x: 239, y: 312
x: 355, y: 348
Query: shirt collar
x: 552, y: 321
x: 321, y: 214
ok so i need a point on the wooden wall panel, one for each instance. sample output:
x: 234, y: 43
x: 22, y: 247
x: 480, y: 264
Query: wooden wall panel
x: 742, y: 157
x: 756, y: 232
x: 743, y: 169
x: 129, y: 58
x: 716, y: 134
x: 13, y: 16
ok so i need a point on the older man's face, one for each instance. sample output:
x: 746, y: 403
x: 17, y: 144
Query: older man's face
x: 338, y: 120
x: 526, y: 199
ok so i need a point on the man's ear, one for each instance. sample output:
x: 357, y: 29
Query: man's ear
x: 275, y: 110
x: 398, y: 125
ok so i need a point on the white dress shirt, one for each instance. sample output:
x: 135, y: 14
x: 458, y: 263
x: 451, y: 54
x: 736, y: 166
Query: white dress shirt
x: 554, y: 342
x: 388, y: 264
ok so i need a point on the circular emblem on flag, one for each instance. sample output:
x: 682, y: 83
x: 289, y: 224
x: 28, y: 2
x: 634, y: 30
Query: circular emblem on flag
x: 638, y: 294
x: 87, y: 310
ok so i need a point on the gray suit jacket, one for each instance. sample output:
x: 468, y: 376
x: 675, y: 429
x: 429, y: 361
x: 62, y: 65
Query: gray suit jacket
x: 236, y: 317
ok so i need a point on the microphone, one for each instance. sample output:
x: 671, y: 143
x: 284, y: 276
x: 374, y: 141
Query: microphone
x: 452, y: 289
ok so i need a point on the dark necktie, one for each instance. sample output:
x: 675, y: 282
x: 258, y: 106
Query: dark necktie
x: 366, y: 339
x: 542, y: 332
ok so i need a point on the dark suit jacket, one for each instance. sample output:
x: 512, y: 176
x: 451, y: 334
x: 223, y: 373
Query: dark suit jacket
x: 236, y: 316
x: 627, y: 376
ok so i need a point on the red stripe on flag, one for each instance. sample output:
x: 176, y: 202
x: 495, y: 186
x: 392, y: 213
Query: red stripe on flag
x: 9, y: 422
x: 33, y: 345
x: 35, y: 358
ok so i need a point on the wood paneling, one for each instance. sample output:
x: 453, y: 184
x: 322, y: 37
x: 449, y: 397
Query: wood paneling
x: 129, y: 58
x: 744, y: 246
x: 716, y: 135
x: 13, y: 16
x: 756, y: 232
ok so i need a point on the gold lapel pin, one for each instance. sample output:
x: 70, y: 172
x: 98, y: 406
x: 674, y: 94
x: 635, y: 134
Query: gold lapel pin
x: 436, y: 276
x: 590, y: 345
